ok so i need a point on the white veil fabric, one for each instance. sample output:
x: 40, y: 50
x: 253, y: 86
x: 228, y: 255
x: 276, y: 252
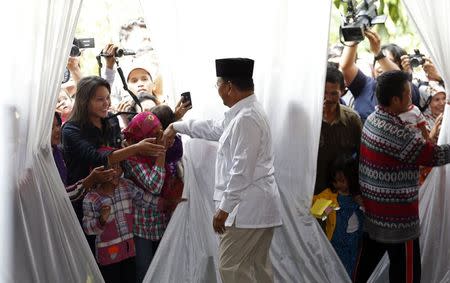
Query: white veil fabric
x: 288, y: 41
x: 42, y: 237
x: 432, y: 23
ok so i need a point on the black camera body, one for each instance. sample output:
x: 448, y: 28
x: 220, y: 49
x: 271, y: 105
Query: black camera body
x: 416, y: 59
x: 359, y: 19
x: 81, y: 43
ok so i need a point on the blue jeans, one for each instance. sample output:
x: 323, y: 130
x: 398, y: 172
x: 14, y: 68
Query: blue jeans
x: 145, y: 250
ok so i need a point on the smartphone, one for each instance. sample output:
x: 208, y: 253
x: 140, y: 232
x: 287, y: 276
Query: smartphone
x: 185, y: 97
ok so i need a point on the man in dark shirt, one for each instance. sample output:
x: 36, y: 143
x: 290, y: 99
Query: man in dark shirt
x: 341, y: 128
x: 386, y: 58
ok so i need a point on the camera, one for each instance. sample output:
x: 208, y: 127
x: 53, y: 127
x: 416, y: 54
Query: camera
x: 416, y: 59
x: 81, y: 43
x: 120, y: 52
x: 358, y: 19
x: 77, y: 44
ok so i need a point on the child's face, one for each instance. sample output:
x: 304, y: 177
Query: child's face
x: 118, y: 173
x: 340, y: 183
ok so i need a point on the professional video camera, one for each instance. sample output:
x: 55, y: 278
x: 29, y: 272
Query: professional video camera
x: 416, y: 59
x: 359, y: 19
x: 81, y: 43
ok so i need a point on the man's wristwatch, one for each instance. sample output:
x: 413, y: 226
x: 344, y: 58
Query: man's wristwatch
x: 379, y: 56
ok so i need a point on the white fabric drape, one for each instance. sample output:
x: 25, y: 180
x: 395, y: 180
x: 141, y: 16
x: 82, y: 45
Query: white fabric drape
x: 432, y: 22
x: 288, y: 40
x: 47, y: 244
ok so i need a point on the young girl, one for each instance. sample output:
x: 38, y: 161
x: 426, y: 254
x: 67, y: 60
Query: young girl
x: 415, y: 120
x: 109, y: 214
x: 344, y: 226
x: 150, y: 222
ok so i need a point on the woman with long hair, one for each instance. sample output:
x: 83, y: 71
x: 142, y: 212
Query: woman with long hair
x: 90, y: 127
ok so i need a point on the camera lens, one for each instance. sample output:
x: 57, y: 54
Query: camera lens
x: 414, y: 62
x: 75, y: 51
x: 119, y: 53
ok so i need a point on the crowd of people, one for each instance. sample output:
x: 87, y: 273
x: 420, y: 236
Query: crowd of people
x: 119, y: 155
x: 123, y: 191
x: 123, y: 172
x: 376, y: 149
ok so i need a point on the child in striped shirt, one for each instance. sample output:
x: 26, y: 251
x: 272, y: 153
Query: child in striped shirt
x: 109, y: 214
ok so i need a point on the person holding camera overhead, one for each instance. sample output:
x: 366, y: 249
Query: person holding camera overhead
x: 386, y: 58
x: 246, y: 194
x: 140, y: 82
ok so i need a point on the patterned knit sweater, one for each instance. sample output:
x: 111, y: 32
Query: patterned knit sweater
x: 389, y: 175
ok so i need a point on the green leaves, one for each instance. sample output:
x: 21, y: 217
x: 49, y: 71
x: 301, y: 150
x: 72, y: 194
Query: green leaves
x: 394, y: 12
x: 337, y: 3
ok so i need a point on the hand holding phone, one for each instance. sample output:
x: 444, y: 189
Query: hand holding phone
x: 186, y: 97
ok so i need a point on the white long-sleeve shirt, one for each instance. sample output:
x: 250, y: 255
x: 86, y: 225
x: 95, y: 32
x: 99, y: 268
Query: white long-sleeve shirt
x: 245, y: 185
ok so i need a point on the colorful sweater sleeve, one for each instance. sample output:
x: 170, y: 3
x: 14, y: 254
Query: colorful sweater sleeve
x: 434, y: 155
x: 407, y: 147
x: 91, y: 211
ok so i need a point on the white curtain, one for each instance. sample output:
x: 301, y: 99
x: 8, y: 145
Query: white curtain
x: 432, y: 23
x: 42, y: 233
x: 288, y: 40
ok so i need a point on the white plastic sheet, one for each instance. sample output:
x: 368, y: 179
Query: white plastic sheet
x: 433, y: 24
x: 288, y: 40
x: 43, y: 234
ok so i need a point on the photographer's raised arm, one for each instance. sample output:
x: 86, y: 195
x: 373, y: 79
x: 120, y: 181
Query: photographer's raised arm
x: 109, y: 72
x: 73, y: 65
x: 431, y: 71
x: 375, y: 47
x: 347, y: 63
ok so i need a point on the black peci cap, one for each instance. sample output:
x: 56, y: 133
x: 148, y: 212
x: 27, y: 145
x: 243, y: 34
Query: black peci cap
x: 234, y: 68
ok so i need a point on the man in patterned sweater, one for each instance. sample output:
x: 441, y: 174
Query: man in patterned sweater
x: 390, y: 155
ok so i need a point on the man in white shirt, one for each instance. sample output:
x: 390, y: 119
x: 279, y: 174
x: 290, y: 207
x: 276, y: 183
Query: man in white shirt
x: 246, y: 194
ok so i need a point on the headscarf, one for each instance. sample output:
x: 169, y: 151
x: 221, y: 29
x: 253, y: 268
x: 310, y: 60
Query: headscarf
x: 141, y: 127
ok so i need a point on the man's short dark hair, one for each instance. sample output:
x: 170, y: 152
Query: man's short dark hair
x: 389, y: 85
x: 334, y: 76
x: 243, y: 84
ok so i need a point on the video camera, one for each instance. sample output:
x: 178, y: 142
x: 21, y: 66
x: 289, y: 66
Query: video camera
x: 77, y: 44
x: 359, y: 19
x: 416, y: 59
x: 120, y: 52
x: 81, y: 43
